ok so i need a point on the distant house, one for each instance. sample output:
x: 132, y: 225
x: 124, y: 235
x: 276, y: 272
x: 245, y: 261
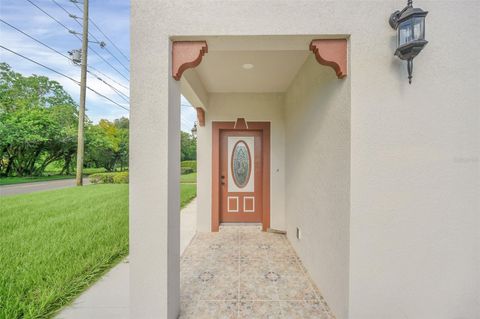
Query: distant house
x: 307, y: 124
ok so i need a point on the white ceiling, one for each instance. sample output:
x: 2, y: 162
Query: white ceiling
x: 273, y: 71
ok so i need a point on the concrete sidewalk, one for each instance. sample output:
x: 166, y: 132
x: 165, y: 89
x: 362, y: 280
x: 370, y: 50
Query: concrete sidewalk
x: 109, y: 297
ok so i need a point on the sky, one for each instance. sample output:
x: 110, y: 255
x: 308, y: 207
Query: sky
x: 113, y: 19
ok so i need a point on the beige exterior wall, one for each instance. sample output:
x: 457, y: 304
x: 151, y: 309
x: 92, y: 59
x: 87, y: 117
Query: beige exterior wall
x: 253, y: 107
x: 318, y: 178
x: 414, y: 174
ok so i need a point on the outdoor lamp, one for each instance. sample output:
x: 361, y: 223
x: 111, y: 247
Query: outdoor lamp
x: 410, y: 26
x: 194, y: 130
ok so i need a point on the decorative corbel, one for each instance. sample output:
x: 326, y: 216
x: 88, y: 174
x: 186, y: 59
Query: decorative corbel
x: 185, y: 55
x: 200, y: 116
x: 332, y: 53
x: 240, y: 124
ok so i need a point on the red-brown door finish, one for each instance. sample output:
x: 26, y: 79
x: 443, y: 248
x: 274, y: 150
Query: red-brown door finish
x: 241, y: 176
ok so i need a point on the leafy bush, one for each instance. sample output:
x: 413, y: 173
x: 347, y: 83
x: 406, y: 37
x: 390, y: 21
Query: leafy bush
x: 93, y: 170
x: 186, y: 170
x: 109, y: 178
x: 189, y: 164
x: 120, y: 178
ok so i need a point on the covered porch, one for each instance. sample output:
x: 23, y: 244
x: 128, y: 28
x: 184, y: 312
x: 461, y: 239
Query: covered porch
x: 285, y: 101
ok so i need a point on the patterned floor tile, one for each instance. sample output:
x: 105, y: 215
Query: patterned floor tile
x: 260, y: 310
x: 294, y: 288
x: 254, y: 251
x: 210, y: 310
x: 242, y: 272
x: 303, y: 310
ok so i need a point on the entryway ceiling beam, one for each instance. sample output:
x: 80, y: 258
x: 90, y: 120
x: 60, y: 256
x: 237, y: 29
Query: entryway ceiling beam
x: 332, y: 53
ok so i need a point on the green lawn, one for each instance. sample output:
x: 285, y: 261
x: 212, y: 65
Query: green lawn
x: 187, y: 193
x: 188, y: 178
x: 54, y: 175
x: 54, y: 244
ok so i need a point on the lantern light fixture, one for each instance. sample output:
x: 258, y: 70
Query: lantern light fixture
x: 410, y: 26
x: 194, y: 130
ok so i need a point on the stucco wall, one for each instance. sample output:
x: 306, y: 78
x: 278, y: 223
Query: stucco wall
x: 414, y: 225
x: 253, y: 107
x: 317, y: 121
x: 414, y: 220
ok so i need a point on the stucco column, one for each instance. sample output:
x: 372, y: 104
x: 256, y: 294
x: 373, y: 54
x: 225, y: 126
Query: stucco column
x: 154, y: 177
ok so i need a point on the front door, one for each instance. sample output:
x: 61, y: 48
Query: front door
x: 241, y: 176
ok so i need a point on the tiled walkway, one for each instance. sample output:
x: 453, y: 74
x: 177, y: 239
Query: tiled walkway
x: 241, y: 272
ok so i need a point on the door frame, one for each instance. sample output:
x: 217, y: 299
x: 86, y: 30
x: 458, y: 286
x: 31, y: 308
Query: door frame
x: 217, y: 127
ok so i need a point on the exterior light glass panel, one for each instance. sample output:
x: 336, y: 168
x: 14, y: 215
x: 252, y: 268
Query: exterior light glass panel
x: 411, y: 30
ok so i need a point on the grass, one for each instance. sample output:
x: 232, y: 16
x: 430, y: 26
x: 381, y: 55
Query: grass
x: 187, y: 193
x: 54, y: 244
x: 29, y: 179
x: 53, y: 175
x: 188, y: 178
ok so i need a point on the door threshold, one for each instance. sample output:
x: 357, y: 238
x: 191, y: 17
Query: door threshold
x: 240, y: 224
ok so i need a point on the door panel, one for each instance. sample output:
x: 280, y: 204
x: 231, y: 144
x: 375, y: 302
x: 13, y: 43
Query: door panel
x: 241, y: 176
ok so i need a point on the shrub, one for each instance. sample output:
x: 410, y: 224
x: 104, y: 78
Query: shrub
x: 109, y: 178
x: 120, y: 178
x: 93, y: 170
x: 186, y: 170
x: 189, y: 164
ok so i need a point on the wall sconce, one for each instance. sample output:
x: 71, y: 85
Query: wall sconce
x: 194, y: 130
x: 410, y: 26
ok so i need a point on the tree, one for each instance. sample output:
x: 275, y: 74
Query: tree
x: 37, y: 123
x: 188, y: 147
x: 38, y: 127
x: 107, y: 144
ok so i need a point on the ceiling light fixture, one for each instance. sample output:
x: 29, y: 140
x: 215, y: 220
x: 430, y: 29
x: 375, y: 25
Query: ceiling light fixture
x: 247, y: 66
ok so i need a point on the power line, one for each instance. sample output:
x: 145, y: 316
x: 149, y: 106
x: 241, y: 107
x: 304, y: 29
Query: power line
x: 98, y: 28
x: 42, y: 65
x: 104, y: 60
x: 118, y: 92
x: 53, y: 18
x: 68, y: 29
x: 38, y: 41
x: 93, y: 36
x: 125, y: 87
x: 107, y: 98
x: 64, y: 75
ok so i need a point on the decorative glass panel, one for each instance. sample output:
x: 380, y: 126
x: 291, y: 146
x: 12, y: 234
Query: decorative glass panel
x: 419, y: 28
x: 405, y: 32
x: 410, y: 30
x: 241, y: 164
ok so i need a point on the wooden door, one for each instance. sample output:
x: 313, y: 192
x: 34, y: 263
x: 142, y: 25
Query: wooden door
x: 241, y: 176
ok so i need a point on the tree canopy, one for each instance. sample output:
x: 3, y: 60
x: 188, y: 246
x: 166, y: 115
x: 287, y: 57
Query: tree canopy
x: 38, y: 129
x: 38, y: 123
x: 188, y: 147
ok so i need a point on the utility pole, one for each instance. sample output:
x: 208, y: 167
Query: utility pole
x: 83, y: 91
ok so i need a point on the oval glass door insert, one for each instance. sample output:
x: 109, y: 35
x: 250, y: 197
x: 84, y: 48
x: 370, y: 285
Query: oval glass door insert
x: 241, y: 164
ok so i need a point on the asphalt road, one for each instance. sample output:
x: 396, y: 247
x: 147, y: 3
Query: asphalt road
x: 24, y: 188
